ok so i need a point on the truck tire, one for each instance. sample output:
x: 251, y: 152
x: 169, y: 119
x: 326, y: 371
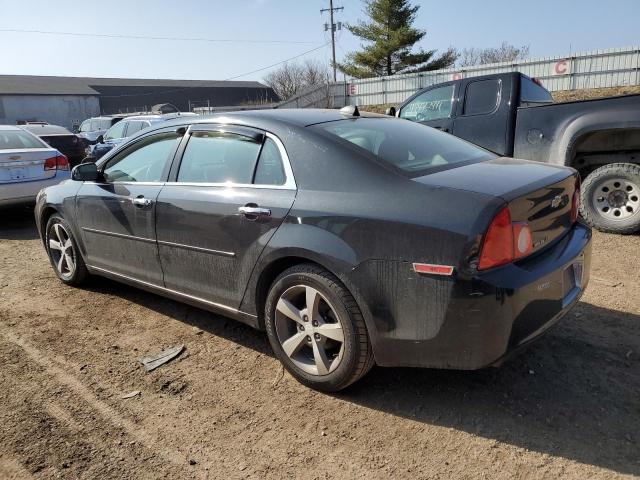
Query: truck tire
x: 610, y: 198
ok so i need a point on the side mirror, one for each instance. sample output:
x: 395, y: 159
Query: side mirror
x: 85, y: 172
x: 88, y: 159
x: 100, y: 139
x: 391, y: 111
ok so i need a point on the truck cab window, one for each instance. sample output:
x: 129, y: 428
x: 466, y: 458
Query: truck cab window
x: 482, y: 97
x: 430, y: 105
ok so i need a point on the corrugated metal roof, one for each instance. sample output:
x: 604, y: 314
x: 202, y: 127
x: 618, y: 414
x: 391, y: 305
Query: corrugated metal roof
x: 46, y: 85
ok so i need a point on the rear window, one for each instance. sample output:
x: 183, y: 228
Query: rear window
x: 531, y: 92
x: 15, y: 139
x: 408, y: 147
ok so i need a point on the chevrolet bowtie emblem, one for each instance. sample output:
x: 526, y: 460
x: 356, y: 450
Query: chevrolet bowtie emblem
x: 557, y: 200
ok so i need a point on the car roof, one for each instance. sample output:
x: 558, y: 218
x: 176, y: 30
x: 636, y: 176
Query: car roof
x: 46, y: 129
x: 302, y: 117
x: 9, y: 127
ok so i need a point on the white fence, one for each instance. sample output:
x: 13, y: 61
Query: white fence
x: 602, y: 68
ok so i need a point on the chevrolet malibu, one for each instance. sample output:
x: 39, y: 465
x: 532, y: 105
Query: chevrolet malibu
x: 352, y: 239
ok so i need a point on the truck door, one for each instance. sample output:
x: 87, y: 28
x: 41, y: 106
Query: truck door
x: 432, y: 107
x: 484, y: 114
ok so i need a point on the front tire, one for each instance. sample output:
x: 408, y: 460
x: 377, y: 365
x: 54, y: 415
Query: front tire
x: 316, y: 329
x: 63, y: 252
x: 610, y: 198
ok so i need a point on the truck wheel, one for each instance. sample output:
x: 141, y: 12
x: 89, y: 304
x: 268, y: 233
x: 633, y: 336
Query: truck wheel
x: 610, y: 198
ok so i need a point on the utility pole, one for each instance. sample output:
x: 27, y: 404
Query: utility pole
x: 333, y: 28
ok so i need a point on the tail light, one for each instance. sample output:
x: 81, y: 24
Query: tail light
x: 505, y: 241
x: 58, y: 162
x: 575, y: 202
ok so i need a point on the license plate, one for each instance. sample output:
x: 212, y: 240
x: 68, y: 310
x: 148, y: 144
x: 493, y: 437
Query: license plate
x: 18, y: 173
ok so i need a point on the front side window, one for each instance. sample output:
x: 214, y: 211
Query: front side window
x: 430, y: 105
x: 134, y: 127
x: 409, y: 148
x: 117, y: 131
x: 143, y: 161
x: 218, y: 157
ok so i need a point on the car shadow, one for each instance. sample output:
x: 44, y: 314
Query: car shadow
x: 17, y: 223
x: 574, y: 394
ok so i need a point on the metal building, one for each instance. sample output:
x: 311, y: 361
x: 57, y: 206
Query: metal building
x: 67, y: 101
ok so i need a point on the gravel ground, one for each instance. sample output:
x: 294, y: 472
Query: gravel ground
x: 567, y: 407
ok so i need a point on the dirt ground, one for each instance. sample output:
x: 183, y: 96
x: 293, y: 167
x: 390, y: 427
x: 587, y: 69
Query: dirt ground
x: 567, y: 407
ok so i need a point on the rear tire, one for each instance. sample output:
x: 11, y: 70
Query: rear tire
x: 610, y: 198
x: 63, y: 252
x: 316, y: 329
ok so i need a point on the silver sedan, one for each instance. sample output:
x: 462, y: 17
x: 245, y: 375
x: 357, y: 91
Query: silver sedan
x: 27, y: 165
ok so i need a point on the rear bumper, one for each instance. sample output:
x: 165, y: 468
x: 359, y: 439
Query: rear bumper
x: 473, y: 323
x: 26, y: 192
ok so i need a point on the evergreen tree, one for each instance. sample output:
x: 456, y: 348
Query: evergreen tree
x: 390, y: 37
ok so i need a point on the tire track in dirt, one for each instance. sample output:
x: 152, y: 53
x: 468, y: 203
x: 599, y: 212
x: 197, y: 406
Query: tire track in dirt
x: 59, y: 370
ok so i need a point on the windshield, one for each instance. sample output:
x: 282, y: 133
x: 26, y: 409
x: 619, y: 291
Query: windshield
x: 409, y: 147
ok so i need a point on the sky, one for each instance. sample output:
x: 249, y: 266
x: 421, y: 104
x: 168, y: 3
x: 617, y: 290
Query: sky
x: 260, y: 33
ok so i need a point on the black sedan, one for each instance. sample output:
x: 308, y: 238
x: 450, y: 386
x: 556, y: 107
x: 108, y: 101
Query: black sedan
x: 353, y: 240
x: 69, y: 144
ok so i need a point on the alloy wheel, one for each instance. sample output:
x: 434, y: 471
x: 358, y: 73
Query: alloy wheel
x: 309, y: 330
x: 61, y: 250
x: 616, y: 198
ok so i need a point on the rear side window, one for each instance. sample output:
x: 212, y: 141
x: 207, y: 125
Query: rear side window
x: 134, y: 127
x: 218, y: 157
x: 430, y: 105
x: 17, y: 139
x: 269, y: 170
x: 530, y: 92
x: 482, y: 97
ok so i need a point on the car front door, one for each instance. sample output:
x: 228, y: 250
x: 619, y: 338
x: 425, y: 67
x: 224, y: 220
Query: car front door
x: 117, y: 214
x: 433, y: 107
x: 230, y: 191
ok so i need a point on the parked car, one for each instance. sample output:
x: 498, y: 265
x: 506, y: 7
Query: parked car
x: 350, y: 239
x: 27, y: 164
x: 72, y: 146
x: 92, y: 128
x: 126, y: 128
x: 514, y: 115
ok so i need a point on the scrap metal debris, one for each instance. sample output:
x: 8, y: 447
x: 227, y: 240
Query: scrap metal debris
x: 153, y: 362
x: 132, y: 394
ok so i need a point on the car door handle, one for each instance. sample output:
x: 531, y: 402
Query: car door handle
x: 141, y: 202
x: 254, y: 212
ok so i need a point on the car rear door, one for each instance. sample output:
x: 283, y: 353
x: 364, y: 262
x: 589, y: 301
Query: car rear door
x: 117, y: 215
x: 230, y: 189
x: 484, y: 114
x: 433, y: 107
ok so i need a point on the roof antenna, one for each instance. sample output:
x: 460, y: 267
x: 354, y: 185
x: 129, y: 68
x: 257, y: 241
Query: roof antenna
x: 351, y: 110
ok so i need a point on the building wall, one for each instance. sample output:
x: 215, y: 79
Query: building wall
x: 64, y: 110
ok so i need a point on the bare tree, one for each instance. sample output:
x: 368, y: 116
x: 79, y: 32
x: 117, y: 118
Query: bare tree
x: 480, y: 56
x: 294, y: 77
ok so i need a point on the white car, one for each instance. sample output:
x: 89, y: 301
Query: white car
x: 27, y: 165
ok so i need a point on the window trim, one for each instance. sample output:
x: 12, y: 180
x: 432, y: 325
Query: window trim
x: 289, y: 184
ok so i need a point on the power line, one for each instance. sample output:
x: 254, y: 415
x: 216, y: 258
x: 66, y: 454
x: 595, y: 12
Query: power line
x: 143, y: 37
x: 225, y: 80
x: 279, y: 63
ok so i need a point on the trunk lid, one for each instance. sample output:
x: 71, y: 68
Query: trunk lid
x: 25, y: 165
x: 537, y: 193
